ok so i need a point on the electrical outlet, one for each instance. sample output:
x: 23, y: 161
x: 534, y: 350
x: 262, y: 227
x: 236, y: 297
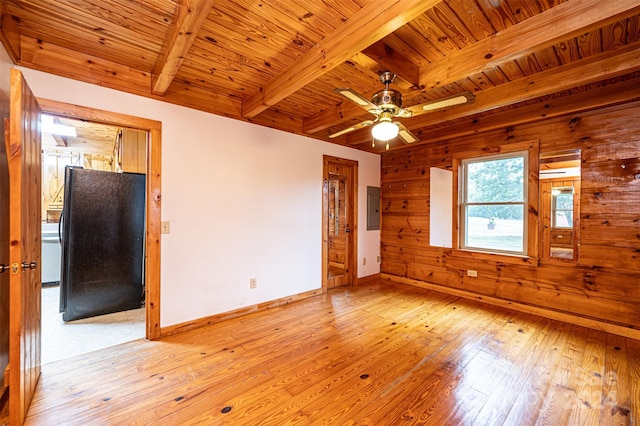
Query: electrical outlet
x: 253, y: 282
x: 164, y: 227
x: 378, y: 259
x: 472, y: 273
x: 364, y: 261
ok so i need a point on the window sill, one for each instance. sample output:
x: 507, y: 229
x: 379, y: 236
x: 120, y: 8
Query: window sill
x: 496, y: 257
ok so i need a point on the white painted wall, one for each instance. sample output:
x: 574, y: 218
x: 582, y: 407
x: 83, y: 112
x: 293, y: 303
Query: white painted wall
x: 243, y: 201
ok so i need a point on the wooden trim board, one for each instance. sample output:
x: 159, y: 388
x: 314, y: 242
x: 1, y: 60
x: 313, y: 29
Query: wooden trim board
x: 370, y: 279
x: 213, y: 319
x: 503, y: 303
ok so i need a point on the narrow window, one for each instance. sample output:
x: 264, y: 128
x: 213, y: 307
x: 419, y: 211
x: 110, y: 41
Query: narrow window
x: 493, y: 207
x: 562, y: 207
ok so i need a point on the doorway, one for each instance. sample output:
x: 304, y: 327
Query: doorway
x: 560, y: 205
x: 101, y: 293
x: 339, y: 223
x: 152, y: 168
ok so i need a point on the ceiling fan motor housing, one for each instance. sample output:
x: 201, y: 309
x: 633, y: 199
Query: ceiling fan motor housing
x: 388, y: 100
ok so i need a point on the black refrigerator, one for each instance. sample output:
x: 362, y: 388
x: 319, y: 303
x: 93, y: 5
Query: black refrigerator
x: 102, y: 229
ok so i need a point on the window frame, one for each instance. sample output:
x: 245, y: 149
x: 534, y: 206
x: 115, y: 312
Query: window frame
x: 555, y: 209
x: 532, y: 219
x: 463, y: 202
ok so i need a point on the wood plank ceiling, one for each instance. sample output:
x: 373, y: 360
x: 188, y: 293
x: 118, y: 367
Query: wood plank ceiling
x: 276, y: 63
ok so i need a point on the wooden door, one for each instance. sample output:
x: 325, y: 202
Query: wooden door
x: 4, y: 263
x: 24, y: 157
x: 339, y: 222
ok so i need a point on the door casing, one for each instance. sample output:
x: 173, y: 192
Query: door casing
x: 348, y: 168
x: 153, y: 194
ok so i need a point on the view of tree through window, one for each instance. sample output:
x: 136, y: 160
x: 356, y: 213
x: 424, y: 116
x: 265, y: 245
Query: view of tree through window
x: 562, y: 207
x: 493, y: 203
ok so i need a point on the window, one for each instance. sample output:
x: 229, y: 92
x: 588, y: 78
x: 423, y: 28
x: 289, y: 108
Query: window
x: 493, y: 203
x: 562, y: 207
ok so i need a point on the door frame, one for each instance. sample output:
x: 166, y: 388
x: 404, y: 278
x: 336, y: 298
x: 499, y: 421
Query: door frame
x: 546, y: 224
x: 352, y: 219
x: 153, y: 194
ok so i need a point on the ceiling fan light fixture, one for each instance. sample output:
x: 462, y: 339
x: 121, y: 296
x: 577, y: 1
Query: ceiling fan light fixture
x: 385, y: 131
x: 456, y: 100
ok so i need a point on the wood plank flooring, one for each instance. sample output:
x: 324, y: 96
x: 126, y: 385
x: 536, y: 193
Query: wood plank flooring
x: 379, y: 354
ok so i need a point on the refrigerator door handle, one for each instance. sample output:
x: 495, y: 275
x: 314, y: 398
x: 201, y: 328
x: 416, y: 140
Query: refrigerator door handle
x: 60, y: 226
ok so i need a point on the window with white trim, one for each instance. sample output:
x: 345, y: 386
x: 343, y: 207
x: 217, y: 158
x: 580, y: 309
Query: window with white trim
x: 493, y: 203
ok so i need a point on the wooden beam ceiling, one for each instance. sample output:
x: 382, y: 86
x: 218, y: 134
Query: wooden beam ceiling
x: 190, y: 17
x: 394, y: 61
x: 567, y: 20
x: 185, y: 55
x: 601, y: 97
x: 557, y: 24
x: 595, y: 68
x: 365, y: 27
x: 591, y: 69
x: 46, y: 56
x: 9, y: 33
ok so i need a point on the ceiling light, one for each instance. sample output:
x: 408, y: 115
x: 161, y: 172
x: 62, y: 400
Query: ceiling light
x: 49, y: 126
x: 385, y: 129
x: 456, y: 100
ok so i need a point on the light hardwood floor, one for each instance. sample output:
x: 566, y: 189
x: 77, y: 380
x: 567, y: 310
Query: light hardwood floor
x: 373, y: 355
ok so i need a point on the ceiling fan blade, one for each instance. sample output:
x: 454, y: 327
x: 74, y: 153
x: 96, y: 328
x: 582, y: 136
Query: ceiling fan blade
x: 358, y: 99
x: 353, y: 128
x: 404, y: 113
x: 406, y: 135
x: 459, y: 99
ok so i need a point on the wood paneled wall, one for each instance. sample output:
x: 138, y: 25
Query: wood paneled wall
x: 601, y: 285
x: 132, y: 152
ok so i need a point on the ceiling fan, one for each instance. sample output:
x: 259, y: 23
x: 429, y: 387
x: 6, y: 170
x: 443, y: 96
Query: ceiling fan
x: 387, y: 104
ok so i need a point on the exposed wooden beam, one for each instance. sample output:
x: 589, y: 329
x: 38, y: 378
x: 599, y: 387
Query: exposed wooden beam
x: 595, y: 68
x: 191, y: 16
x: 364, y: 61
x: 67, y: 63
x: 9, y: 33
x: 70, y: 64
x: 585, y: 71
x: 57, y: 60
x: 48, y: 57
x: 393, y: 61
x: 558, y: 23
x: 60, y: 140
x: 601, y: 97
x: 370, y: 24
